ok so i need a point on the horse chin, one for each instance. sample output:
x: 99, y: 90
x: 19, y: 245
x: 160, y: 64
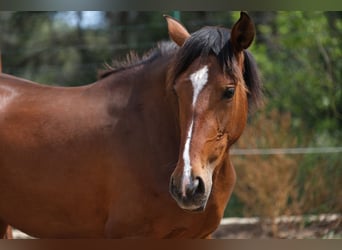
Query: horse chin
x: 193, y: 209
x: 198, y: 210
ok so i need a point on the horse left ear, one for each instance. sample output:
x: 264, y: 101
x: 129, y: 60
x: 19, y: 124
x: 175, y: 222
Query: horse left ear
x: 242, y: 33
x: 177, y: 31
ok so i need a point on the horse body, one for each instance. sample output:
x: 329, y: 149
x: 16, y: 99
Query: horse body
x: 95, y: 161
x: 41, y: 154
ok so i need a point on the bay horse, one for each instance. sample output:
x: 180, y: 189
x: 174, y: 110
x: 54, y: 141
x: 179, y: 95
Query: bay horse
x: 142, y: 152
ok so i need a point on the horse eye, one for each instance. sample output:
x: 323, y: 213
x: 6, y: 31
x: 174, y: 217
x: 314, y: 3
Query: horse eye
x: 228, y: 92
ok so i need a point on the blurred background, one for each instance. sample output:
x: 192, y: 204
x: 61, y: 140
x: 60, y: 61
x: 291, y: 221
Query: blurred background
x: 289, y: 159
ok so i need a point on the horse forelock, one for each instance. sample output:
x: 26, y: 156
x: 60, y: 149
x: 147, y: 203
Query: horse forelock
x: 204, y: 42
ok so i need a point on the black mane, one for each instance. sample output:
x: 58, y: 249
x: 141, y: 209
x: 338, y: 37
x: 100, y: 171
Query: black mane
x: 202, y: 43
x: 132, y: 59
x: 253, y: 82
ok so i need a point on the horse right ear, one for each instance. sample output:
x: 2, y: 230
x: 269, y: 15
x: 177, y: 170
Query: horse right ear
x: 242, y: 33
x: 177, y: 31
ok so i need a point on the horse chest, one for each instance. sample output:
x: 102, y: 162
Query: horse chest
x: 166, y: 220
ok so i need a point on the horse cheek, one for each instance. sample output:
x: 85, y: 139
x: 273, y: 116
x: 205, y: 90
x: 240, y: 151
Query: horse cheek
x: 238, y: 118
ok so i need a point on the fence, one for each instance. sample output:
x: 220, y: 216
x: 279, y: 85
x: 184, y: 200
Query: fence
x: 275, y: 151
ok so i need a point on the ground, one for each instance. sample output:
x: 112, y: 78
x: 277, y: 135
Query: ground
x: 288, y: 227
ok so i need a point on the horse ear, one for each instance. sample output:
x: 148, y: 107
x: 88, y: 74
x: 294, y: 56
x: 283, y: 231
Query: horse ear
x: 177, y: 31
x: 242, y: 33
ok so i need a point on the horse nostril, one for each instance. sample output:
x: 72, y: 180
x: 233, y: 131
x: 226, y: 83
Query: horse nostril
x: 200, y: 189
x: 172, y: 181
x: 193, y: 187
x: 172, y: 185
x: 196, y: 187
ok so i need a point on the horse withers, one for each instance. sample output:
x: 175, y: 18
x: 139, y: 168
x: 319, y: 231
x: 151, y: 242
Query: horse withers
x: 142, y: 152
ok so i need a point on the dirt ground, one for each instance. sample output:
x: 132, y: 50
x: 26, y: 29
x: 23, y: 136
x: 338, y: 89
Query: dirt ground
x: 293, y: 227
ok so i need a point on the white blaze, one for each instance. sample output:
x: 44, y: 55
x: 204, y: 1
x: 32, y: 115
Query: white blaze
x: 198, y: 80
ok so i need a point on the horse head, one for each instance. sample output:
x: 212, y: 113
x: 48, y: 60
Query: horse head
x: 213, y: 82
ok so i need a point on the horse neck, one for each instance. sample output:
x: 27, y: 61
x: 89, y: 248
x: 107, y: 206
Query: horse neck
x: 148, y: 80
x: 148, y: 109
x: 147, y: 92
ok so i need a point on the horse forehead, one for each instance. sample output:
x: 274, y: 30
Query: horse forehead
x: 198, y: 79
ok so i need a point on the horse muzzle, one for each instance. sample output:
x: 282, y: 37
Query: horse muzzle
x: 191, y: 195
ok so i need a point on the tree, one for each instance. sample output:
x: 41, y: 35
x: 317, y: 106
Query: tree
x: 300, y: 62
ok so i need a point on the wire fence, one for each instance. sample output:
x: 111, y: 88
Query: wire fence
x: 277, y: 151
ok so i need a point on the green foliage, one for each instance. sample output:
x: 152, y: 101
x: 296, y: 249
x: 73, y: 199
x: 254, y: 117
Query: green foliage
x: 301, y: 65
